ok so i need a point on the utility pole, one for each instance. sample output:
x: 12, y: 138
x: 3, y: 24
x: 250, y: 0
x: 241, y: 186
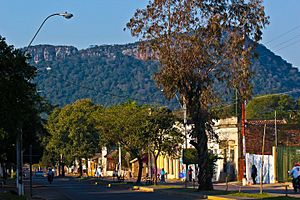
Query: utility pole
x: 120, y: 161
x: 185, y: 135
x: 262, y: 160
x: 244, y: 181
x: 19, y: 151
x: 276, y: 139
x: 30, y: 169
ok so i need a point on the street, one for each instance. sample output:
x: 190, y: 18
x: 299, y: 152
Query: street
x: 74, y: 188
x: 70, y: 188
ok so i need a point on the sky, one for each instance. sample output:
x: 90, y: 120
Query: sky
x: 99, y: 22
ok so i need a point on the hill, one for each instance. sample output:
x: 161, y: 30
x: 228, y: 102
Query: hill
x: 111, y: 74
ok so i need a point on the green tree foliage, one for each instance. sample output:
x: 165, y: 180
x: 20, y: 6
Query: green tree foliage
x: 264, y: 107
x: 72, y: 132
x: 198, y: 43
x: 125, y: 125
x: 108, y: 75
x: 20, y: 105
x: 164, y: 136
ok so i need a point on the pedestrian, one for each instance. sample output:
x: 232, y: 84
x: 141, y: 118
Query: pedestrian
x: 162, y: 173
x: 253, y: 173
x: 50, y: 175
x: 190, y: 173
x: 295, y: 173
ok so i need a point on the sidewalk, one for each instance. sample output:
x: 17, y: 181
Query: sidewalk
x: 273, y: 190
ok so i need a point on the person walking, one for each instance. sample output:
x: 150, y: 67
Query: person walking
x: 295, y: 173
x: 190, y: 173
x: 162, y: 173
x: 253, y: 173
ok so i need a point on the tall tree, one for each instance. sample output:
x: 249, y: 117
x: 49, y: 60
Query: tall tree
x: 73, y: 132
x: 125, y: 125
x: 164, y: 136
x: 19, y: 102
x: 197, y: 43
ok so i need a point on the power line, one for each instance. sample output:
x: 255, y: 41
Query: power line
x: 288, y: 45
x: 283, y: 34
x: 286, y: 41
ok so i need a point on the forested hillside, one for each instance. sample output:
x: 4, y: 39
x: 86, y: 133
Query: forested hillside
x: 113, y: 74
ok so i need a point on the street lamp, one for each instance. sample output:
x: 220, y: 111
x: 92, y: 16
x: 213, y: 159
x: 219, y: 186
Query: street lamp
x: 19, y: 151
x: 65, y: 15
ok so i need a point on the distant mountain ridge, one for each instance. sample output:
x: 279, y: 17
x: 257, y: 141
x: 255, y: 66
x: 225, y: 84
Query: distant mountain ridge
x: 110, y: 74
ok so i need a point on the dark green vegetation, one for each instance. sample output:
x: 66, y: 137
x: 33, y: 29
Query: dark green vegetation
x: 102, y: 73
x: 81, y: 129
x: 72, y: 134
x: 107, y: 80
x: 264, y: 107
x: 20, y: 105
x: 11, y: 196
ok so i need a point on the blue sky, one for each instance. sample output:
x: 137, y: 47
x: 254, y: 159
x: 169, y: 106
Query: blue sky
x: 98, y: 22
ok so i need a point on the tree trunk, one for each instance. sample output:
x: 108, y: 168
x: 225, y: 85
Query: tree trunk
x: 204, y: 173
x: 63, y: 166
x: 63, y: 169
x: 139, y: 178
x: 87, y: 166
x: 80, y: 167
x: 155, y: 165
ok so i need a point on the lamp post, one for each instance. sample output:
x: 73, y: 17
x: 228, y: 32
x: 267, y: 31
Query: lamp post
x: 65, y: 15
x: 19, y: 148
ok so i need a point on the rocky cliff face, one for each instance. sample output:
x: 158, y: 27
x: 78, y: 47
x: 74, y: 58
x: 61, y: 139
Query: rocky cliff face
x: 50, y: 53
x: 110, y: 74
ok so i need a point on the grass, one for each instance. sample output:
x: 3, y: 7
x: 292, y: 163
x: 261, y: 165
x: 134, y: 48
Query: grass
x: 252, y: 195
x: 10, y: 196
x: 262, y: 196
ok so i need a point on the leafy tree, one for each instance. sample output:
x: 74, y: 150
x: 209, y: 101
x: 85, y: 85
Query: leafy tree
x: 198, y: 43
x: 125, y: 125
x: 263, y: 107
x: 19, y: 102
x: 164, y: 137
x: 73, y: 132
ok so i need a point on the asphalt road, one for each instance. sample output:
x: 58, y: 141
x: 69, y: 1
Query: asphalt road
x: 70, y: 188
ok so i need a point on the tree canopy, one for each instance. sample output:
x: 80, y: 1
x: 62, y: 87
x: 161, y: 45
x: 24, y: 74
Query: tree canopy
x: 20, y: 105
x: 198, y: 43
x: 264, y: 107
x: 72, y: 131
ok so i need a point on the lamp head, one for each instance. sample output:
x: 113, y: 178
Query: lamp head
x: 66, y: 15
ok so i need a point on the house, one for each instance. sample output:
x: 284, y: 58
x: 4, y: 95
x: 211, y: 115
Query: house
x: 281, y: 147
x: 227, y: 149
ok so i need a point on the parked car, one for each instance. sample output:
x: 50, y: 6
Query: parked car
x: 39, y: 173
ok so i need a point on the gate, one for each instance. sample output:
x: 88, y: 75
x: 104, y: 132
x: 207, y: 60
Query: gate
x: 286, y: 158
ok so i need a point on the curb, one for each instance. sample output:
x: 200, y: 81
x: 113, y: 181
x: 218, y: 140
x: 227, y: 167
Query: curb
x: 143, y: 189
x: 201, y: 196
x: 219, y: 198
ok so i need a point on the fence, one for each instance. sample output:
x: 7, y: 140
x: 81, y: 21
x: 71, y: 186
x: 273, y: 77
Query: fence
x: 286, y: 158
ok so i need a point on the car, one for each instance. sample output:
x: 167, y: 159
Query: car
x: 39, y: 173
